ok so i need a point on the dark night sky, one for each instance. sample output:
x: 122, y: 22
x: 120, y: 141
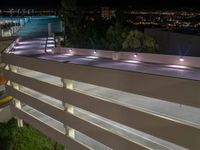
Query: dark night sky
x: 137, y: 3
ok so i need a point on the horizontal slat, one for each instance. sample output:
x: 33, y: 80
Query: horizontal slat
x: 167, y: 88
x: 48, y: 131
x: 107, y: 138
x: 52, y: 111
x: 156, y: 126
x: 34, y: 84
x: 102, y: 135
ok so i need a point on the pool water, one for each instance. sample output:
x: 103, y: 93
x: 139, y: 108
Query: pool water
x: 38, y: 26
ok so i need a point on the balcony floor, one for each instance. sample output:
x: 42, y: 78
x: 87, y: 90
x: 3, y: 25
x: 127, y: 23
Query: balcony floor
x: 30, y: 47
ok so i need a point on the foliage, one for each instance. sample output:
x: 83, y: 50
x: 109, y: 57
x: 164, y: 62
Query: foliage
x: 71, y: 18
x: 150, y: 44
x: 133, y: 40
x: 90, y: 35
x: 8, y: 133
x: 26, y: 138
x: 115, y: 35
x: 137, y: 41
x: 96, y: 33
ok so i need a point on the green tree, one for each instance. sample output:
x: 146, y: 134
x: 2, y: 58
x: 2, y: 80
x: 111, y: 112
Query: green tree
x: 115, y: 35
x: 91, y: 35
x: 71, y: 16
x: 150, y: 44
x: 137, y: 41
x: 133, y: 40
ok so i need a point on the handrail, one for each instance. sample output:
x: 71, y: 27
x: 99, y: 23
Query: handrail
x: 10, y: 47
x: 45, y: 50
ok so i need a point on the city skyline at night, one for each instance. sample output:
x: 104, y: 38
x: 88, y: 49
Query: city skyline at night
x: 155, y: 4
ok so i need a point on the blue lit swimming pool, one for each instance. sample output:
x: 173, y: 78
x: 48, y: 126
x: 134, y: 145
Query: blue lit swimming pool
x: 38, y: 26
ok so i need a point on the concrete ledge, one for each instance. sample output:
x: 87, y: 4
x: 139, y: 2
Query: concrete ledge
x: 143, y: 57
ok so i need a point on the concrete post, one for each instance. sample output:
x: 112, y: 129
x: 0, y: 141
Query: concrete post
x: 7, y: 67
x: 17, y: 103
x: 49, y: 29
x: 13, y: 68
x: 68, y: 108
